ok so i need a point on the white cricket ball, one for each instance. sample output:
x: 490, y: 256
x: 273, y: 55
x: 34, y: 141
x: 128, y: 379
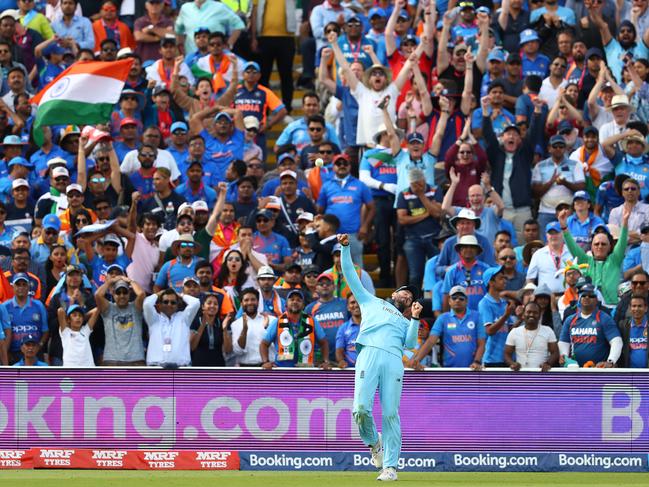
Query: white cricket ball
x: 319, y: 162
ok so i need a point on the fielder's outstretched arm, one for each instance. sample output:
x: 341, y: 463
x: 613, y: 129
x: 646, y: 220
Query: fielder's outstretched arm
x: 349, y: 273
x: 413, y: 327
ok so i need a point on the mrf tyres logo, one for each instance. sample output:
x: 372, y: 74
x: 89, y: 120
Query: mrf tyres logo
x: 56, y: 458
x: 11, y: 458
x: 160, y: 459
x: 213, y: 459
x: 109, y: 458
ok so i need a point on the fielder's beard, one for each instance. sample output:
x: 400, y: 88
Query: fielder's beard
x: 399, y: 305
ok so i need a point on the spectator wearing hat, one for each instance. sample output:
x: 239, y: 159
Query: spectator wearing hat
x: 533, y: 62
x: 600, y: 99
x: 583, y: 221
x: 414, y: 157
x: 621, y: 110
x: 631, y: 157
x: 249, y: 330
x: 329, y: 311
x: 150, y: 29
x: 468, y: 272
x: 295, y: 336
x: 19, y: 168
x: 12, y: 146
x: 290, y: 279
x: 169, y: 327
x: 464, y: 223
x: 597, y: 166
x: 555, y: 178
x: 347, y: 333
x: 107, y: 26
x: 173, y: 272
x: 40, y: 246
x: 71, y: 27
x: 495, y: 70
x: 377, y: 18
x: 126, y: 123
x: 460, y: 333
x: 418, y: 212
x: 547, y: 261
x: 251, y: 150
x: 497, y: 315
x: 223, y: 140
x: 345, y: 196
x: 29, y: 350
x: 591, y: 335
x: 270, y: 301
x: 20, y: 210
x: 631, y: 191
x: 75, y: 335
x: 201, y: 41
x: 194, y: 189
x: 53, y: 55
x: 270, y: 243
x: 626, y: 43
x: 605, y: 261
x: 178, y: 146
x: 374, y: 88
x: 54, y: 201
x: 162, y: 69
x: 74, y: 193
x: 568, y: 301
x: 107, y: 253
x: 122, y: 321
x: 635, y: 352
x: 296, y: 132
x: 26, y: 316
x: 286, y: 161
x: 73, y: 288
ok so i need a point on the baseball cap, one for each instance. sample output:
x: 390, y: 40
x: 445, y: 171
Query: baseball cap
x: 581, y: 195
x: 274, y: 203
x: 19, y: 276
x: 325, y: 275
x: 293, y: 292
x: 264, y: 213
x: 415, y: 137
x: 193, y: 279
x: 202, y: 30
x: 200, y: 205
x: 564, y: 127
x: 53, y: 48
x: 57, y: 172
x: 594, y: 52
x: 111, y: 238
x: 284, y: 156
x: 251, y: 64
x: 73, y: 268
x: 557, y: 139
x: 127, y: 121
x: 410, y: 38
x: 512, y: 126
x: 528, y: 35
x: 404, y: 14
x: 121, y: 284
x: 553, y: 227
x: 74, y: 187
x: 496, y: 55
x: 490, y: 273
x: 28, y: 339
x: 289, y: 173
x: 115, y: 267
x: 587, y: 289
x: 51, y: 221
x: 377, y: 11
x: 336, y: 248
x: 19, y: 183
x: 73, y: 308
x: 513, y: 58
x: 591, y: 130
x: 178, y: 126
x: 168, y: 39
x: 265, y: 271
x: 18, y: 160
x: 222, y: 115
x: 251, y: 122
x: 466, y: 4
x: 457, y: 290
x: 305, y: 215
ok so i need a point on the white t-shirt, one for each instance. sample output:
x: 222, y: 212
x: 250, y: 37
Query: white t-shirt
x: 131, y: 163
x: 549, y: 93
x: 369, y: 114
x: 76, y: 347
x: 531, y: 346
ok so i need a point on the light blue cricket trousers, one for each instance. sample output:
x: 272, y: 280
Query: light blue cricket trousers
x: 377, y: 368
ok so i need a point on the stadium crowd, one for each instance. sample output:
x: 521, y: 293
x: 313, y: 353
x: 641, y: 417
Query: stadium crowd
x: 493, y: 155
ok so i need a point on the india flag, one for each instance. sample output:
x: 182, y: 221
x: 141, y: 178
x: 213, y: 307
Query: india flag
x: 83, y: 94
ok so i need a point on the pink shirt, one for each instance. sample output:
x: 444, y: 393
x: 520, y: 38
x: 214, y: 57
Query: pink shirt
x: 144, y: 260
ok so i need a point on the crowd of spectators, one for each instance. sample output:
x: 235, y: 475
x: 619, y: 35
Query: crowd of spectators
x: 493, y: 155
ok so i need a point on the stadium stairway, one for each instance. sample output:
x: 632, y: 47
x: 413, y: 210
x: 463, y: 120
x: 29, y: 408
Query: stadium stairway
x: 370, y: 260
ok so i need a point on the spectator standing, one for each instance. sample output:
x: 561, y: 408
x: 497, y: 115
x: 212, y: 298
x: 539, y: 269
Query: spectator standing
x: 635, y: 352
x: 210, y: 339
x: 583, y: 221
x: 108, y: 27
x: 534, y: 345
x: 639, y: 211
x: 173, y: 272
x: 72, y: 27
x: 75, y: 335
x: 248, y: 331
x: 346, y: 335
x: 467, y: 272
x: 122, y: 321
x: 169, y: 327
x: 150, y: 29
x: 497, y: 316
x: 548, y: 260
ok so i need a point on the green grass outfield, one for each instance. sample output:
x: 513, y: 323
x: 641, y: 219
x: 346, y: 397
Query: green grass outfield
x: 100, y: 478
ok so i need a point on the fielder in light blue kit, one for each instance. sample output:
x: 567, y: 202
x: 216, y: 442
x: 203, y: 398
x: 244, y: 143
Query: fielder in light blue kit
x: 384, y: 334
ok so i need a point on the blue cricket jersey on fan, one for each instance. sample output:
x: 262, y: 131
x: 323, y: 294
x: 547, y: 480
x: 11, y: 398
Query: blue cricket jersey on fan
x: 470, y: 280
x: 204, y: 193
x: 385, y: 172
x: 638, y: 345
x: 345, y: 200
x: 31, y: 319
x: 330, y: 316
x: 490, y: 311
x: 590, y: 336
x: 223, y: 153
x: 459, y: 337
x: 537, y: 66
x: 346, y: 339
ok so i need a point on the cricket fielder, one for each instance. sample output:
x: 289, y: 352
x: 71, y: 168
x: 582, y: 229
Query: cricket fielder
x: 384, y: 334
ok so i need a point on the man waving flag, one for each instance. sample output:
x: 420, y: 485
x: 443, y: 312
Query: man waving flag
x: 83, y: 94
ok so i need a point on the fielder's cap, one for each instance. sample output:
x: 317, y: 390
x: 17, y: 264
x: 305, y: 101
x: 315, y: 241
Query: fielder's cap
x: 411, y: 289
x: 587, y: 289
x: 265, y: 214
x: 496, y: 55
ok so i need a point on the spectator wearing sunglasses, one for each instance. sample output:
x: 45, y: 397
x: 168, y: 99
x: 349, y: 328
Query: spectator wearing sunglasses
x: 122, y: 321
x: 639, y: 287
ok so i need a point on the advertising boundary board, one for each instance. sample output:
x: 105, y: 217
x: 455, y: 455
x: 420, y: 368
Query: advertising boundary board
x: 236, y: 409
x: 62, y: 458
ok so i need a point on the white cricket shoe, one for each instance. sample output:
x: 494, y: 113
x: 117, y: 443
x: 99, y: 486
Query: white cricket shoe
x: 388, y: 474
x: 377, y: 453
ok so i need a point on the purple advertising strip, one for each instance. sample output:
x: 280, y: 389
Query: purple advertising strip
x: 243, y: 409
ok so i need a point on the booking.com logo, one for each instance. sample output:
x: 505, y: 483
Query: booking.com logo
x: 293, y: 462
x: 421, y: 463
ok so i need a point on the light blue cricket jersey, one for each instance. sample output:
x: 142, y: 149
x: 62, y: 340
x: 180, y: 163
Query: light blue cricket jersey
x: 383, y: 326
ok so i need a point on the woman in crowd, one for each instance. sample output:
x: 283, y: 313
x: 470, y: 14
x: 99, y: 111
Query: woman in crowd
x: 210, y: 341
x: 55, y: 267
x: 233, y: 276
